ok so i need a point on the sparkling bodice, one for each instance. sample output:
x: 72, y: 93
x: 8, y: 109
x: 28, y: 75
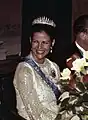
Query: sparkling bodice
x: 35, y: 99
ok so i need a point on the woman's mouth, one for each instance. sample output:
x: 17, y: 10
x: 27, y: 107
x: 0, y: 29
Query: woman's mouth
x: 40, y: 51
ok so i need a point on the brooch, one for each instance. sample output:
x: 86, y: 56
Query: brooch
x: 53, y: 74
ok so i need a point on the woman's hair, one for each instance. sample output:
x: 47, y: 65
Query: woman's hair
x: 43, y: 27
x: 80, y: 24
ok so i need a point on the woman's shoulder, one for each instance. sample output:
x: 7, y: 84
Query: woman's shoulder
x: 23, y: 66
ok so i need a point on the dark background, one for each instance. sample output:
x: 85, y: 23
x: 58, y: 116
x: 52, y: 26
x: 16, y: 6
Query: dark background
x: 15, y: 26
x: 20, y: 13
x: 58, y: 10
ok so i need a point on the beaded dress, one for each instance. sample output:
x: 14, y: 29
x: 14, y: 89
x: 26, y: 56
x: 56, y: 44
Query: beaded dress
x: 35, y: 98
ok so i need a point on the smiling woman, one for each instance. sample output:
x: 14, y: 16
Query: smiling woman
x: 40, y: 46
x: 36, y: 79
x: 42, y: 40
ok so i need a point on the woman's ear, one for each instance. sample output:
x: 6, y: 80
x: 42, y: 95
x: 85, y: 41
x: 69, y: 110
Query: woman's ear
x: 53, y: 42
x: 30, y: 39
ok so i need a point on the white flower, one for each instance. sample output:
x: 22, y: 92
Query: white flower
x: 65, y: 74
x: 73, y: 101
x: 75, y: 118
x: 85, y: 54
x: 68, y: 115
x: 79, y: 108
x: 64, y: 96
x: 79, y: 64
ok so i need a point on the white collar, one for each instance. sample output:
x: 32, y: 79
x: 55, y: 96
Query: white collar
x: 80, y: 48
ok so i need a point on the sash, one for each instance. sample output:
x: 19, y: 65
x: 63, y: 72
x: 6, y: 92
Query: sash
x: 40, y: 72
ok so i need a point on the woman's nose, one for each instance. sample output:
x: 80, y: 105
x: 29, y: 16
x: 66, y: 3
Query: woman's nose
x: 40, y: 45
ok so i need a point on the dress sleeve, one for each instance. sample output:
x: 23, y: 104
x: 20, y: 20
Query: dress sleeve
x: 28, y: 94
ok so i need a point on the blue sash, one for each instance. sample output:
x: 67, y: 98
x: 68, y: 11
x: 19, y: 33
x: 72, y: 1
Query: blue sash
x: 39, y: 71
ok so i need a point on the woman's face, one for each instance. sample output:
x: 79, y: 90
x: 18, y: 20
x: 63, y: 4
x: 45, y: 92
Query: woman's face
x: 41, y: 44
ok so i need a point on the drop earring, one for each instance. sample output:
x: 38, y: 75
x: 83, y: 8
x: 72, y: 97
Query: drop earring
x: 30, y: 44
x: 30, y: 40
x: 51, y: 50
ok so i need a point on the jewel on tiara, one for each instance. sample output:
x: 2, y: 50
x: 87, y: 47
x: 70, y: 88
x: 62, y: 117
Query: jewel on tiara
x: 43, y: 20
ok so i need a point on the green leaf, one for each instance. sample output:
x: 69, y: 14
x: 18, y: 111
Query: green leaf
x: 86, y: 85
x: 64, y: 102
x: 80, y: 86
x: 85, y: 112
x: 58, y: 117
x: 85, y: 97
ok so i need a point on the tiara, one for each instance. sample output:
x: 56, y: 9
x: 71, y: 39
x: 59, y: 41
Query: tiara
x: 43, y: 20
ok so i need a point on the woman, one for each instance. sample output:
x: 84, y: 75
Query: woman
x: 36, y: 78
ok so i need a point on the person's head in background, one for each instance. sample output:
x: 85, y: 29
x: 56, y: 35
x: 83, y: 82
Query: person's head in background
x: 80, y: 30
x: 42, y: 38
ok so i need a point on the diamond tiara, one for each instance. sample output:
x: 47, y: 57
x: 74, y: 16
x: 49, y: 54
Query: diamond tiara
x: 43, y: 20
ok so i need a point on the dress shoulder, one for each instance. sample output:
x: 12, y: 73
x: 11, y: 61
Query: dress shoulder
x: 23, y: 66
x: 54, y: 64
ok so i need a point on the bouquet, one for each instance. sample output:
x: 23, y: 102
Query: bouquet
x: 73, y: 103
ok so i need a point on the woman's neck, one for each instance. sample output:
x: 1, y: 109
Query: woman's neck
x: 39, y: 61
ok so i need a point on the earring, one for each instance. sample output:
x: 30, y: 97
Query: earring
x: 51, y: 50
x: 30, y: 39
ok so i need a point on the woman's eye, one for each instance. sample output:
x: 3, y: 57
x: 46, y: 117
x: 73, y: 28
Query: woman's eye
x: 45, y: 42
x: 35, y: 41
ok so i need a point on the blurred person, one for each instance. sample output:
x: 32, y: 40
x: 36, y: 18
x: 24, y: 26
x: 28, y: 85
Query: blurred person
x: 80, y: 43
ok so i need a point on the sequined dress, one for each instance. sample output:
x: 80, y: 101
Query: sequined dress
x: 35, y: 99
